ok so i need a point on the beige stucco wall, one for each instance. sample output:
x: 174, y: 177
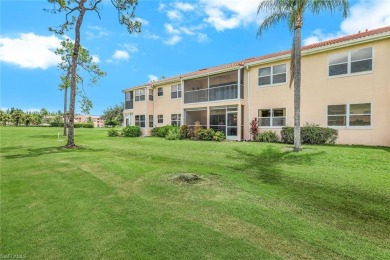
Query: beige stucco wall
x: 318, y: 91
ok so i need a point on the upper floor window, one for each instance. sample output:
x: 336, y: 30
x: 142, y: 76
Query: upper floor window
x: 272, y: 117
x: 349, y: 115
x: 176, y: 91
x: 129, y: 100
x: 160, y: 119
x: 140, y: 95
x: 350, y: 62
x: 140, y: 120
x: 151, y: 94
x: 175, y: 119
x: 272, y: 75
x: 160, y: 92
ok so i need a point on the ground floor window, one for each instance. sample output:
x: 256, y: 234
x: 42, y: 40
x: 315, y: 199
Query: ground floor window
x: 273, y: 117
x: 128, y: 119
x: 176, y: 119
x: 140, y: 120
x: 150, y: 120
x: 160, y: 119
x: 349, y: 115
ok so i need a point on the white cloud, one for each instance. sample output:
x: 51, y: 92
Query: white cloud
x: 30, y: 51
x: 95, y: 32
x: 202, y: 37
x: 230, y: 14
x: 186, y: 30
x: 184, y: 6
x: 144, y: 22
x: 169, y: 29
x: 161, y: 7
x: 121, y: 55
x: 174, y: 15
x: 366, y: 14
x: 152, y: 77
x: 95, y: 58
x: 132, y: 48
x: 173, y: 40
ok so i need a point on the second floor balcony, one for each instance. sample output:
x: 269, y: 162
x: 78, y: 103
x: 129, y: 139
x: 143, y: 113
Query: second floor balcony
x: 223, y: 92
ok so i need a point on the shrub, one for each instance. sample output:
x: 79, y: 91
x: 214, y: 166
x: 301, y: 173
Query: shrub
x: 311, y: 134
x: 161, y: 131
x: 83, y: 125
x: 57, y: 124
x: 267, y: 137
x: 131, y: 131
x: 197, y: 128
x: 206, y: 134
x: 112, y: 132
x: 173, y: 133
x: 219, y: 136
x: 185, y: 132
x: 254, y: 128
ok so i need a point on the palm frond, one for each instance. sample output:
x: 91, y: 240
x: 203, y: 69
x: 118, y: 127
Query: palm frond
x: 317, y: 6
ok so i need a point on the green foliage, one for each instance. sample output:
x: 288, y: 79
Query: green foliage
x: 112, y: 132
x: 113, y: 116
x: 131, y: 131
x: 57, y: 121
x: 185, y: 132
x: 267, y: 137
x: 173, y: 133
x: 310, y: 134
x: 83, y: 125
x: 254, y: 128
x: 206, y: 134
x: 161, y: 131
x: 219, y: 136
x: 197, y: 128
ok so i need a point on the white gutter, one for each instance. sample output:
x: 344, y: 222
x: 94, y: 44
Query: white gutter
x: 212, y: 73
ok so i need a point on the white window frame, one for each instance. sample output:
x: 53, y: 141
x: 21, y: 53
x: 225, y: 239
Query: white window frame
x: 271, y: 117
x: 160, y: 90
x: 150, y: 94
x: 151, y: 121
x: 162, y: 119
x: 349, y: 63
x: 271, y: 76
x: 138, y: 96
x: 139, y: 121
x: 176, y: 88
x: 177, y: 120
x: 348, y: 115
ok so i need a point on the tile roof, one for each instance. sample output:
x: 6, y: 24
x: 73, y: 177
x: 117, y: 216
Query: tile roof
x: 367, y: 33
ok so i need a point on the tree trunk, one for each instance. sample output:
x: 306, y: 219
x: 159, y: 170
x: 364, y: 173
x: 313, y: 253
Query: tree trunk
x: 297, y: 84
x: 75, y: 55
x: 65, y: 107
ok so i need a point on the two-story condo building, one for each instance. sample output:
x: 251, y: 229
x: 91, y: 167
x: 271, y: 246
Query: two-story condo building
x: 345, y: 85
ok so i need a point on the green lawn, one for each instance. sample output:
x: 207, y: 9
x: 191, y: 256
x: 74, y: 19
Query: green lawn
x: 115, y: 198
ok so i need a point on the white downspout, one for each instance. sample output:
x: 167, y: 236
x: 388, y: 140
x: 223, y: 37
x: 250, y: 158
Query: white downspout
x: 249, y: 97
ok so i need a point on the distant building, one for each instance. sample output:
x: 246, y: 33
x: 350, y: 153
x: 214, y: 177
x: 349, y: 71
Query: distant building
x: 97, y: 121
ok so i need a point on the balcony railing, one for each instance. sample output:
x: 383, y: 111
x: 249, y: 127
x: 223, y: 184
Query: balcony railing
x: 212, y: 94
x: 129, y: 105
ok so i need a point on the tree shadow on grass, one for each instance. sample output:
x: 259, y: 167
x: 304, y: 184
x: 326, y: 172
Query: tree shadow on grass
x: 34, y: 152
x: 324, y: 198
x: 266, y: 164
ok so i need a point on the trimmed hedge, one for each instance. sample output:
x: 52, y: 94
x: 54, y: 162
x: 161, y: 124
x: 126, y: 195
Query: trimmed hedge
x: 267, y: 137
x: 310, y: 134
x: 161, y: 131
x: 82, y: 125
x: 131, y: 131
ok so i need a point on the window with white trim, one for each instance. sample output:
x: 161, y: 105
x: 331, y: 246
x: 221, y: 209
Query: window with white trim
x: 140, y: 120
x: 139, y: 95
x: 350, y: 62
x: 160, y: 92
x: 160, y: 119
x: 272, y: 75
x: 273, y: 117
x: 349, y: 115
x: 150, y: 120
x: 151, y: 94
x: 176, y: 91
x: 176, y: 119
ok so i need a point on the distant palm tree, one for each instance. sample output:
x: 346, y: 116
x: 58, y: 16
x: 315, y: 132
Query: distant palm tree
x: 293, y: 11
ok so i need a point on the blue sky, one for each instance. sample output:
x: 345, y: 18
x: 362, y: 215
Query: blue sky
x: 177, y: 37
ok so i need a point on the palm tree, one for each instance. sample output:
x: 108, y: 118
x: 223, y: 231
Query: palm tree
x: 293, y: 11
